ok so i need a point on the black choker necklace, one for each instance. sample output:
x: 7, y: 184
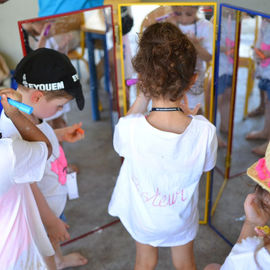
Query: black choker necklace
x: 170, y: 109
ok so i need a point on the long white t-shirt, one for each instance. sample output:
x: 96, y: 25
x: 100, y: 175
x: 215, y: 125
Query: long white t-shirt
x: 23, y: 237
x: 156, y: 193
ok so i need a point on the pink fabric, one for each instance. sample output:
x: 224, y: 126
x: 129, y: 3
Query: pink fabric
x: 262, y: 170
x: 265, y: 47
x: 229, y: 44
x: 15, y: 234
x: 59, y: 166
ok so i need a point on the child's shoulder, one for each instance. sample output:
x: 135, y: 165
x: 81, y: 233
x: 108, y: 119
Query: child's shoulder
x: 201, y: 120
x: 204, y: 22
x: 131, y: 118
x: 204, y: 26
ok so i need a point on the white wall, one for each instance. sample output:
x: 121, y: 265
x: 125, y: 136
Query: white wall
x: 15, y: 10
x: 11, y: 12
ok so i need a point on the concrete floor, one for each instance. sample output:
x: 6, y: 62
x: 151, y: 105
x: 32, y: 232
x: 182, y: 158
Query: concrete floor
x: 112, y: 248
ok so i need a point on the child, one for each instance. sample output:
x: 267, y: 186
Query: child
x: 252, y: 251
x: 47, y: 80
x: 263, y: 69
x: 225, y: 70
x: 24, y: 243
x: 200, y: 33
x: 156, y: 193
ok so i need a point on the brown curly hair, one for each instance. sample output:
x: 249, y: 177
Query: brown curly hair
x: 165, y: 61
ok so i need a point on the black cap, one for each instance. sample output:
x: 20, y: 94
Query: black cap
x: 49, y: 70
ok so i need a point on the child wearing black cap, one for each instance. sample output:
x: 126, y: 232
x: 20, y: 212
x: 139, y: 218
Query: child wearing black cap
x: 47, y: 80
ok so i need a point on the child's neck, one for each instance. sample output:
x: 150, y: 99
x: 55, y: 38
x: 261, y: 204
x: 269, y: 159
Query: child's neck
x: 26, y: 100
x: 170, y: 121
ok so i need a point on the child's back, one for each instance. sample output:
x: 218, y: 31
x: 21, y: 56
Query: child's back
x: 158, y: 182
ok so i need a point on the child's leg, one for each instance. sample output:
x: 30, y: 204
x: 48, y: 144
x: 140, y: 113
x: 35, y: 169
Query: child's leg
x: 212, y: 266
x: 146, y: 257
x: 50, y: 262
x: 260, y: 109
x: 70, y: 260
x: 265, y: 132
x: 183, y: 257
x: 224, y: 102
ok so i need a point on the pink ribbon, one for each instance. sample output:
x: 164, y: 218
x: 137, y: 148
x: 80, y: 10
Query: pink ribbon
x: 262, y: 171
x: 59, y: 166
x: 229, y: 44
x: 265, y: 47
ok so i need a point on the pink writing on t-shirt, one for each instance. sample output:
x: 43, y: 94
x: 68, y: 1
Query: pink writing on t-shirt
x: 160, y: 200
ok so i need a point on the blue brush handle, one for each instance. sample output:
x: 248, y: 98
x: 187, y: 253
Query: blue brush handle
x: 21, y: 106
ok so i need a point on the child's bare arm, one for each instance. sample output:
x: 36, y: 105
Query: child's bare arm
x: 255, y: 216
x: 140, y: 104
x: 26, y: 128
x: 201, y: 51
x: 56, y: 228
x: 266, y: 53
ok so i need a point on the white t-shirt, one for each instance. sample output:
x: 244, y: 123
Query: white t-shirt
x: 156, y: 193
x: 202, y: 29
x: 52, y: 190
x: 23, y: 237
x: 249, y: 254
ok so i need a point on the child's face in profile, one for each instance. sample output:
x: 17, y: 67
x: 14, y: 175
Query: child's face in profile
x: 185, y: 15
x: 48, y: 107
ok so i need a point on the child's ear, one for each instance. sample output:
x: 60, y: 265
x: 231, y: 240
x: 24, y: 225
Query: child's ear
x: 36, y: 96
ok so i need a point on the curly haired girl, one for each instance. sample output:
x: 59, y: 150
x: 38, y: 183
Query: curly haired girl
x: 165, y: 153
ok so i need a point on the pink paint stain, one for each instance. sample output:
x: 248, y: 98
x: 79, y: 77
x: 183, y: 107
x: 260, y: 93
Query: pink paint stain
x: 59, y: 166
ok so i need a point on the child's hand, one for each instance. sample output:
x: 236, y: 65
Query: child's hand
x: 57, y: 232
x: 71, y: 134
x: 184, y: 106
x: 254, y: 214
x: 9, y: 93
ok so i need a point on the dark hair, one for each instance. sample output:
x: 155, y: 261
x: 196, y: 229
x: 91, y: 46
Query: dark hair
x: 263, y: 198
x: 165, y: 61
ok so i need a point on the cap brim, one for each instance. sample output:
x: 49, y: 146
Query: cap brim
x: 79, y: 99
x: 252, y: 173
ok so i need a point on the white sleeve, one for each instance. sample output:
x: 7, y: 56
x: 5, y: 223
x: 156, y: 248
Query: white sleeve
x: 249, y: 254
x: 120, y: 137
x: 30, y: 160
x: 211, y: 154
